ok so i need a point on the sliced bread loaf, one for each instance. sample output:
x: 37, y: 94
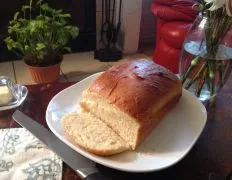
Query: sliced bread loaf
x: 92, y: 134
x: 132, y: 98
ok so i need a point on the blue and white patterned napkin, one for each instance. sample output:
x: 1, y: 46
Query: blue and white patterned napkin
x: 23, y: 156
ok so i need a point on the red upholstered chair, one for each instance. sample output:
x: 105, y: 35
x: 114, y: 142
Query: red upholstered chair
x: 173, y: 19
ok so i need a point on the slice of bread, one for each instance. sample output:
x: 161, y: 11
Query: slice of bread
x: 92, y: 134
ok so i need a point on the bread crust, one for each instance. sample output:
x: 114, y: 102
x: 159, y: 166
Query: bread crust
x: 137, y: 87
x: 147, y: 128
x: 142, y: 89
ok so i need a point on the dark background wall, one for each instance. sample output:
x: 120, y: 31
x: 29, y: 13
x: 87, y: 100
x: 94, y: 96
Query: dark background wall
x: 83, y: 15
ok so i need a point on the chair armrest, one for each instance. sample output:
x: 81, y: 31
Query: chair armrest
x: 174, y: 10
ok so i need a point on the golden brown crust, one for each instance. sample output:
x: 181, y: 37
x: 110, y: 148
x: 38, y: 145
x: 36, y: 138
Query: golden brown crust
x: 147, y: 128
x: 136, y: 86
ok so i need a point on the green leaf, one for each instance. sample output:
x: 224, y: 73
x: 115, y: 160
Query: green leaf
x: 38, y: 3
x: 40, y: 46
x: 44, y: 6
x: 10, y: 30
x: 11, y: 22
x: 11, y: 44
x: 68, y: 27
x: 25, y: 7
x: 39, y: 23
x: 59, y: 11
x: 26, y: 47
x: 64, y: 15
x: 32, y: 26
x: 74, y: 31
x: 8, y: 42
x: 16, y: 15
x: 57, y: 23
x: 68, y: 49
x: 23, y: 21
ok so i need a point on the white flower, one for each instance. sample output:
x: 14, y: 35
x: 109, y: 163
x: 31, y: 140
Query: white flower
x: 229, y: 7
x: 216, y: 4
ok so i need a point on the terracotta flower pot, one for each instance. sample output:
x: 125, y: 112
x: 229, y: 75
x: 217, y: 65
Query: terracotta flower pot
x: 45, y: 74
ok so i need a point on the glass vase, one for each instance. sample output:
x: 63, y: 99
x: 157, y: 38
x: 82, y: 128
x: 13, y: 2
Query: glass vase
x: 205, y: 61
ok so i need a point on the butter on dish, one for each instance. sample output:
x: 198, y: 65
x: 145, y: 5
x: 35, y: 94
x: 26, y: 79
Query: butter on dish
x: 6, y: 95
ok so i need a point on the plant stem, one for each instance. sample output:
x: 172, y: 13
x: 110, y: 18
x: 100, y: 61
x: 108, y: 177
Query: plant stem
x: 211, y: 64
x: 30, y: 8
x: 201, y: 82
x: 193, y: 63
x: 196, y: 76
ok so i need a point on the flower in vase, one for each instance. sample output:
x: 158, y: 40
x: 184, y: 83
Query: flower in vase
x: 216, y: 4
x: 229, y: 7
x: 209, y: 71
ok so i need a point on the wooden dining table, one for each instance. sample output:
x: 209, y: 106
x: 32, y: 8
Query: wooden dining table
x: 209, y: 159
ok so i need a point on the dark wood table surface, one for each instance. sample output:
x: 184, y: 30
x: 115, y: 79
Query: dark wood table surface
x: 209, y: 159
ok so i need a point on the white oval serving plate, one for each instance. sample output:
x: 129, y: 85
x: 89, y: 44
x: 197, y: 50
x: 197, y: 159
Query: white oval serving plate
x: 169, y: 142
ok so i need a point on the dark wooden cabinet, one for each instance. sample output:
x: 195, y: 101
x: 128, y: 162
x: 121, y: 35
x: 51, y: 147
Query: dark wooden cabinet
x: 83, y: 15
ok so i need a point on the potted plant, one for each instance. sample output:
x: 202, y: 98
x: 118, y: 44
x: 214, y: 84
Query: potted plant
x: 40, y: 34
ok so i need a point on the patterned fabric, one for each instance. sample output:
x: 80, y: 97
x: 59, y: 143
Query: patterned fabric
x: 22, y: 156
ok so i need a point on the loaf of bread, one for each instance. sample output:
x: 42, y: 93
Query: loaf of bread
x: 132, y: 98
x: 122, y: 106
